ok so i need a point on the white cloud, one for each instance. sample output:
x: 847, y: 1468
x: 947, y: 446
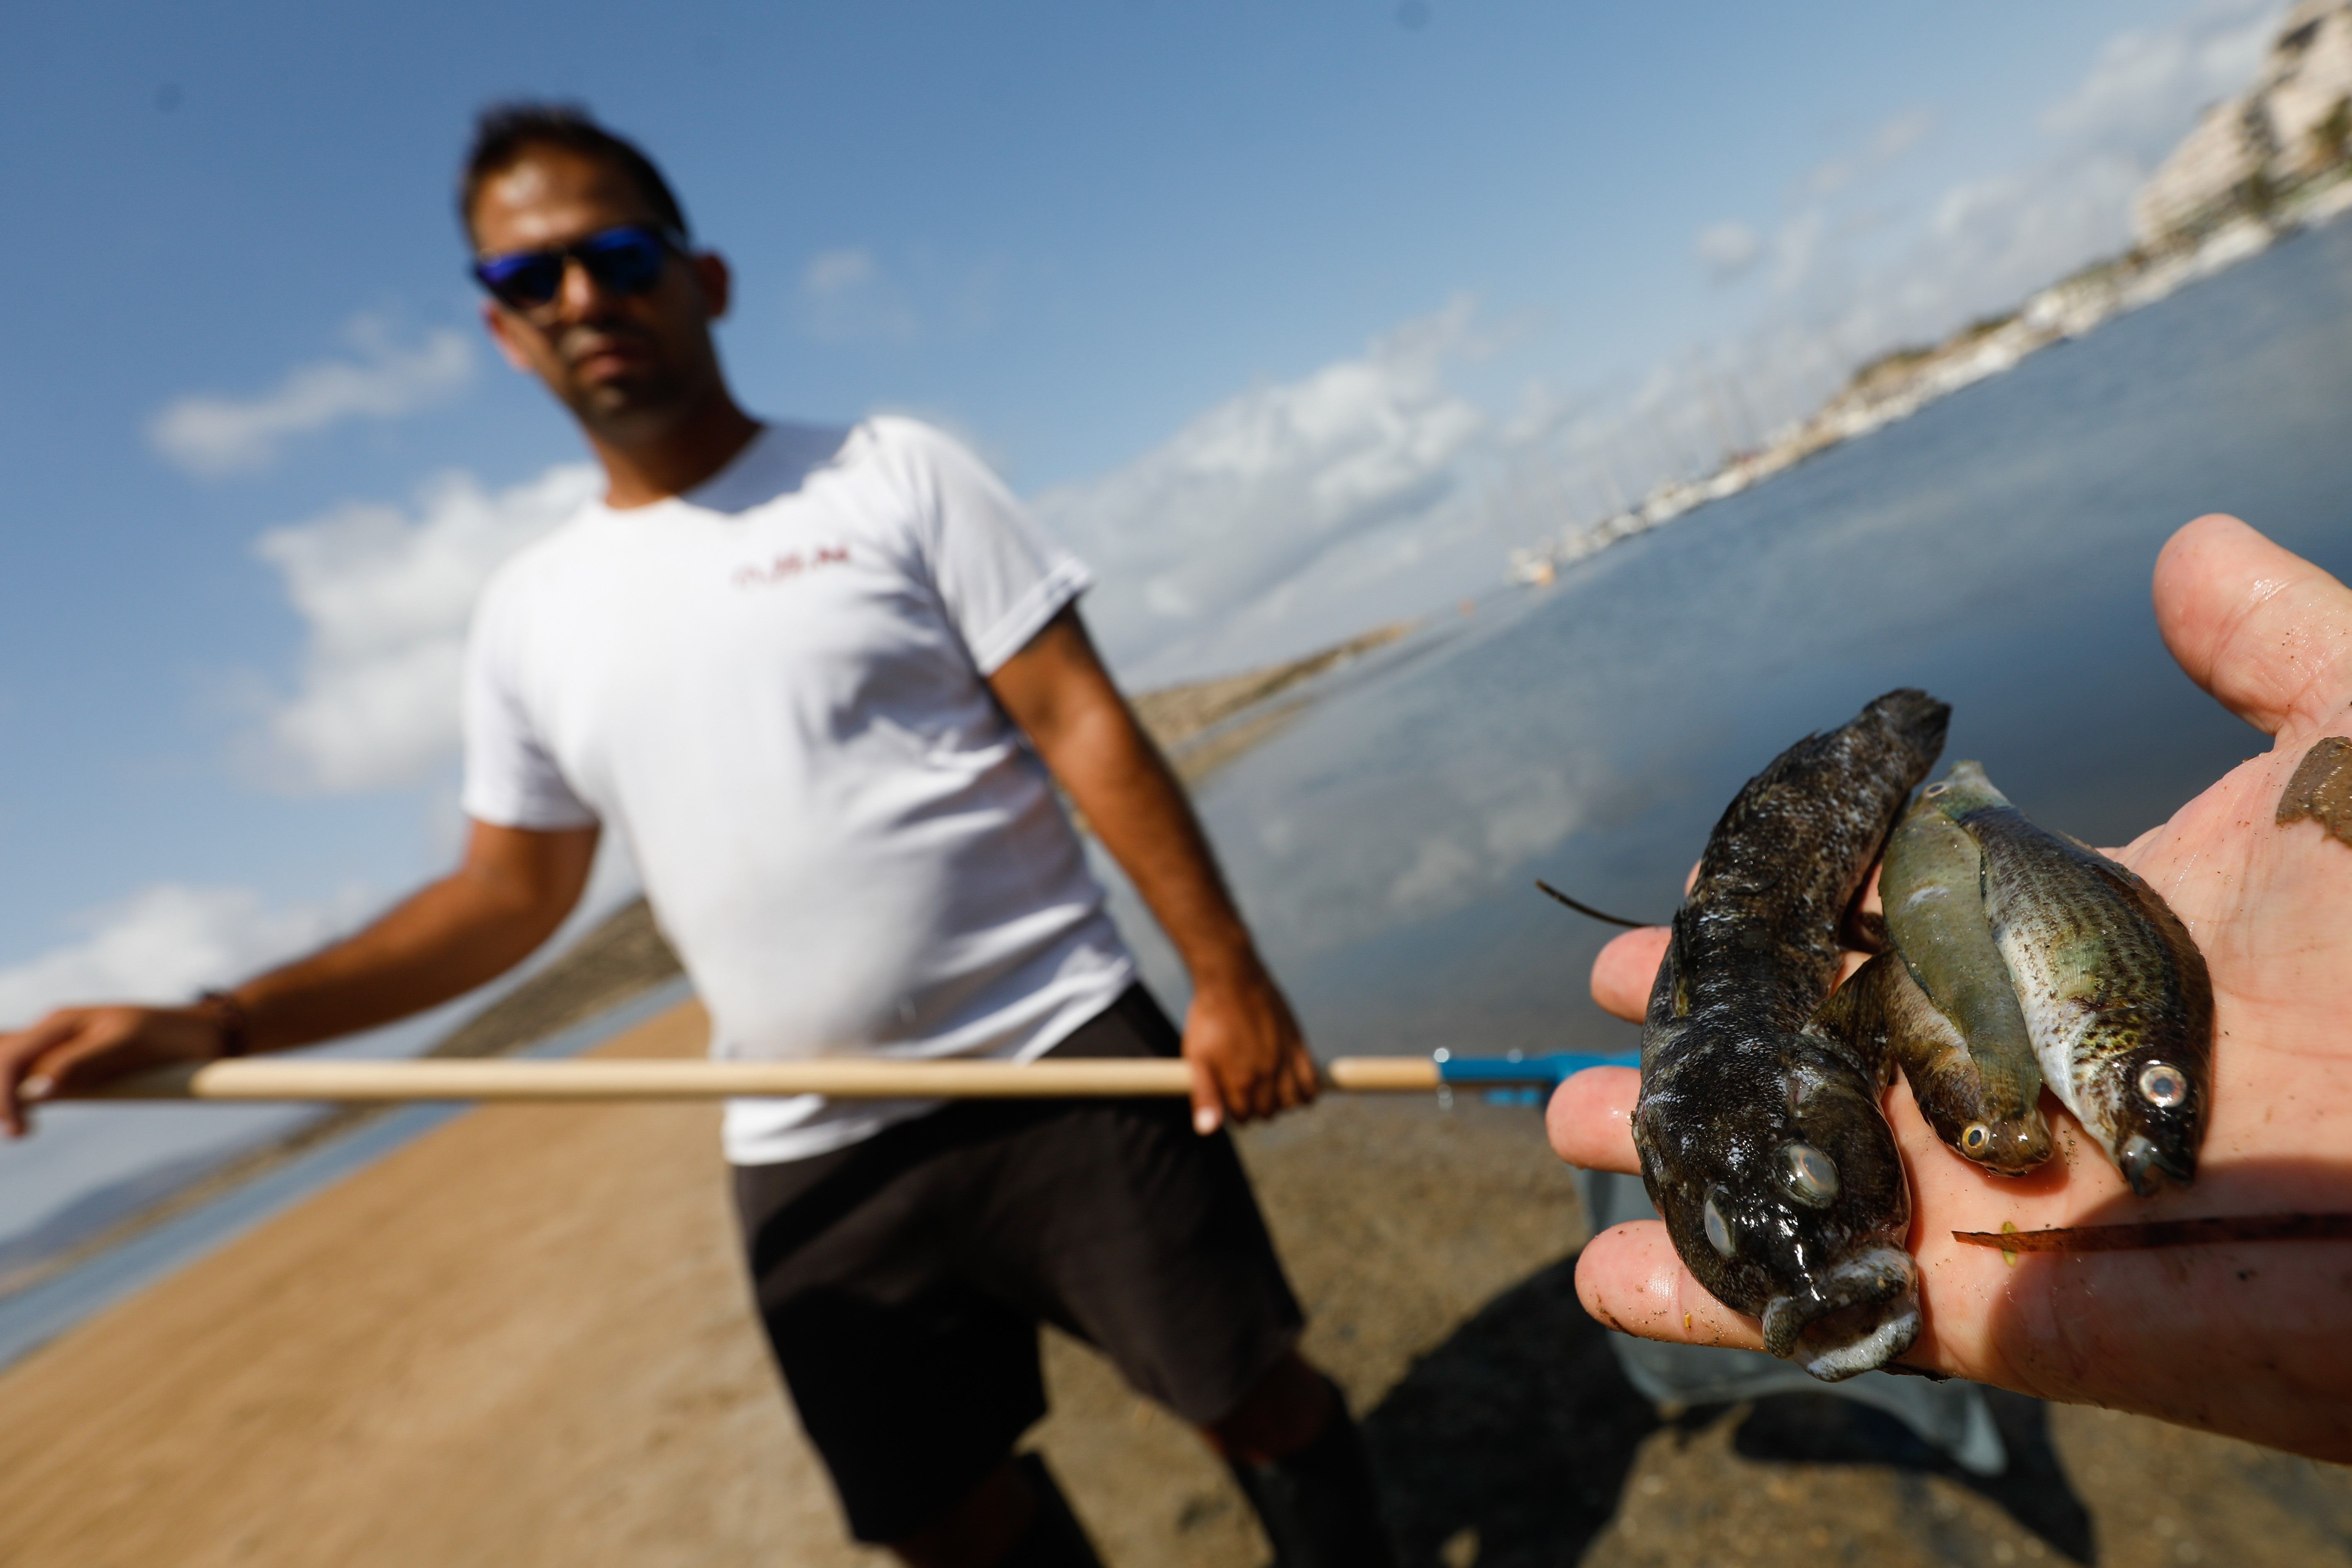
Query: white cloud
x: 1859, y: 264
x: 845, y: 296
x: 1878, y: 151
x: 1256, y: 489
x: 385, y: 594
x: 1991, y: 239
x: 1798, y: 243
x: 2146, y: 84
x: 1496, y: 822
x: 1728, y: 249
x: 835, y: 272
x: 213, y: 436
x: 164, y: 944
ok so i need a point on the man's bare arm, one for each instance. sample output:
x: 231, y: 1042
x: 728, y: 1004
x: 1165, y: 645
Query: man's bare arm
x: 509, y: 893
x: 1247, y: 1054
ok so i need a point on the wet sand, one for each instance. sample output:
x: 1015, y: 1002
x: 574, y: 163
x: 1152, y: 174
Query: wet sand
x: 522, y: 1340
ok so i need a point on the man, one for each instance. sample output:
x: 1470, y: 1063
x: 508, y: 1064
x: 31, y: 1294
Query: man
x: 817, y: 679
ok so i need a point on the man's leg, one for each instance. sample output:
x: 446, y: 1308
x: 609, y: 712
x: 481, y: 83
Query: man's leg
x: 1284, y: 1413
x: 1161, y: 1260
x: 1017, y: 1517
x: 912, y: 1386
x: 1299, y: 1459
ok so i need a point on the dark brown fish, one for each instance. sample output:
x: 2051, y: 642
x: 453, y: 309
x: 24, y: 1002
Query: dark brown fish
x: 1762, y: 1144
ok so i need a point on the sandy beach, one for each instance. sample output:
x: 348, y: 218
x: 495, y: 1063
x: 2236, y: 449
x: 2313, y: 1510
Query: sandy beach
x: 522, y: 1340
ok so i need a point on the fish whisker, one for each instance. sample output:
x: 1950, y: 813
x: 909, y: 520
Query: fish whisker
x: 1588, y: 911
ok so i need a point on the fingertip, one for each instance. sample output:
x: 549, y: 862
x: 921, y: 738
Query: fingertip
x: 1603, y: 1268
x: 40, y: 1086
x: 1631, y: 1278
x: 2259, y: 628
x: 1625, y: 968
x: 1207, y: 1104
x: 1590, y: 1120
x: 1590, y: 1274
x: 2200, y: 533
x: 2188, y: 569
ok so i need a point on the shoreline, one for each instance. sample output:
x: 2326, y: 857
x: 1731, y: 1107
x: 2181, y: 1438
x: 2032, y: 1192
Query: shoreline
x: 1903, y: 381
x: 53, y: 1295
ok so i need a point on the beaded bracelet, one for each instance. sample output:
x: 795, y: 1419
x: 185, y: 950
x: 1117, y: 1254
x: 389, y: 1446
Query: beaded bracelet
x: 228, y: 1016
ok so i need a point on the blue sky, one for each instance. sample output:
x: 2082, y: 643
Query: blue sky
x: 1292, y: 317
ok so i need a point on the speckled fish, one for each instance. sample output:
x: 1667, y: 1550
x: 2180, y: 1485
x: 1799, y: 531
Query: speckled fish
x: 1763, y: 1145
x: 1952, y: 1017
x: 2115, y: 992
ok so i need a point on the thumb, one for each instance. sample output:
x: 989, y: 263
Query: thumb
x: 1208, y: 1105
x: 2265, y: 631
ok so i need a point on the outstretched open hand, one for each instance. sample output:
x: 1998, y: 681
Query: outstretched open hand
x: 2243, y: 1338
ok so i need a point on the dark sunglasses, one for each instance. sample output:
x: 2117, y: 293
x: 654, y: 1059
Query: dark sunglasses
x: 623, y: 260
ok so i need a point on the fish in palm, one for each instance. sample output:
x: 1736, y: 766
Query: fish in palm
x: 1760, y: 1137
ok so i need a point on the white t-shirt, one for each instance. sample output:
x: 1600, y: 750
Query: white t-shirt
x: 772, y: 687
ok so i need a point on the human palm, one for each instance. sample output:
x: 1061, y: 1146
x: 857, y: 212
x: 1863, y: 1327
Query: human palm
x: 2245, y: 1338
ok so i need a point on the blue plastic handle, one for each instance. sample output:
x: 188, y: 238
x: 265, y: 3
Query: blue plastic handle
x: 1546, y: 1072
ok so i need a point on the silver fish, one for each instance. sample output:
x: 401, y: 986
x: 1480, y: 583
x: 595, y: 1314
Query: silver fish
x: 1763, y: 1145
x: 2116, y: 994
x: 1958, y: 1031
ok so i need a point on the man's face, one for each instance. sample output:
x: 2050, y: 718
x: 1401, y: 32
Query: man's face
x: 631, y: 367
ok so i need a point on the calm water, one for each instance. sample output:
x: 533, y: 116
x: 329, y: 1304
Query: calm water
x: 1995, y: 549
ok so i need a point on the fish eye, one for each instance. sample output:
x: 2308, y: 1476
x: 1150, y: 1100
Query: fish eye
x: 1932, y: 791
x: 1718, y: 1232
x: 2163, y: 1085
x: 1977, y: 1139
x: 1813, y: 1176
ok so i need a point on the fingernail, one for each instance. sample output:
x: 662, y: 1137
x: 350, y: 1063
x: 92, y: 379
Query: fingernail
x: 37, y: 1087
x: 1205, y: 1120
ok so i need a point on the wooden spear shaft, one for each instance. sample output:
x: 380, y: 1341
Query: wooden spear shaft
x: 843, y: 1077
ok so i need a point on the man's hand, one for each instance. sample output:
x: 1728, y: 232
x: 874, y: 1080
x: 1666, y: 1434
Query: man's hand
x: 1247, y: 1056
x: 75, y: 1046
x: 2245, y: 1338
x: 511, y: 890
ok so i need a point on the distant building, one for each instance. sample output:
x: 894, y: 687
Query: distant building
x: 2288, y: 127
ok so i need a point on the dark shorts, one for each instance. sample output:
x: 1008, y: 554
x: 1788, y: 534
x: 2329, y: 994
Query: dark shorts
x: 902, y: 1280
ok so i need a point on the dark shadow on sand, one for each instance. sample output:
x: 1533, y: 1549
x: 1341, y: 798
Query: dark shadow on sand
x: 1519, y: 1427
x: 1522, y: 1428
x: 1822, y: 1429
